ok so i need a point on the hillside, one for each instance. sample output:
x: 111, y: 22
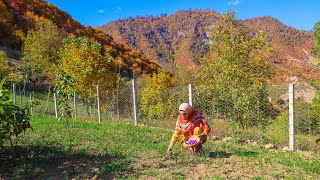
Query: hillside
x: 182, y: 38
x: 292, y: 47
x: 18, y: 16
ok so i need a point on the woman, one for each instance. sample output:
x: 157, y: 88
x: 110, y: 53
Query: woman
x: 190, y: 122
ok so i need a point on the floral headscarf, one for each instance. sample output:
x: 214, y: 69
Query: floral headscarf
x: 186, y: 107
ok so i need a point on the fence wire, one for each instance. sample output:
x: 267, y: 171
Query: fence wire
x: 160, y: 108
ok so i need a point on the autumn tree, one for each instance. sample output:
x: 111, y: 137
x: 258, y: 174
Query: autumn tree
x: 4, y: 71
x: 17, y: 5
x: 83, y: 61
x: 10, y: 73
x: 17, y: 38
x: 41, y: 48
x: 155, y: 96
x: 233, y: 78
x: 6, y: 19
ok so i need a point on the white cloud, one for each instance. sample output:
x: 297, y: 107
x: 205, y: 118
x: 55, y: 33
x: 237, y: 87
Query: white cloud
x: 101, y: 11
x: 118, y: 10
x: 234, y: 2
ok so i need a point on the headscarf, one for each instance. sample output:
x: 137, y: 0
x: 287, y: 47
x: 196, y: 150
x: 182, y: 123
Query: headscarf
x: 186, y: 107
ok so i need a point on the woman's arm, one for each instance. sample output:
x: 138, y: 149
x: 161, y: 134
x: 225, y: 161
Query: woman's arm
x: 175, y: 136
x: 206, y: 127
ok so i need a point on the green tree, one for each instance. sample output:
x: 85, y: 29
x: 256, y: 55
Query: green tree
x: 64, y: 87
x: 233, y: 78
x: 303, y: 119
x: 316, y: 47
x: 315, y: 109
x: 83, y: 61
x: 315, y: 105
x: 41, y: 48
x: 13, y: 119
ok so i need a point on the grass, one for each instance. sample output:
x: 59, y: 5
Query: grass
x: 111, y: 150
x: 43, y: 103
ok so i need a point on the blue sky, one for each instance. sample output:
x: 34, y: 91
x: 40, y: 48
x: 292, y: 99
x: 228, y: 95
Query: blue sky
x: 300, y: 14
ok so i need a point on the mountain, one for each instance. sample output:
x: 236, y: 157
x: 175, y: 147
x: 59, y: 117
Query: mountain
x: 18, y: 16
x: 182, y: 39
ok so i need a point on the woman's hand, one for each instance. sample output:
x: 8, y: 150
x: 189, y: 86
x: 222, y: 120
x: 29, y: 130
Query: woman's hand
x: 169, y: 151
x: 203, y: 134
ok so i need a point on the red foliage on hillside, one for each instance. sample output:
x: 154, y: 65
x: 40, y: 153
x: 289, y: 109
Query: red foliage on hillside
x: 24, y: 14
x: 182, y: 38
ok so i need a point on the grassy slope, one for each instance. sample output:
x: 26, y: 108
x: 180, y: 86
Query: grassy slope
x: 109, y: 150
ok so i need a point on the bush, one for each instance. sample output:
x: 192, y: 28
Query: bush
x: 277, y: 133
x: 13, y: 119
x: 219, y: 128
x: 303, y: 118
x: 160, y: 100
x: 248, y: 133
x: 306, y: 143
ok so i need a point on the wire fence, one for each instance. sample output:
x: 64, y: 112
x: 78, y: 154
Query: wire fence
x: 159, y: 107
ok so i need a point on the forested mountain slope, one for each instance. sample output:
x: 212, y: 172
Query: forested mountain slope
x: 18, y: 16
x: 183, y: 38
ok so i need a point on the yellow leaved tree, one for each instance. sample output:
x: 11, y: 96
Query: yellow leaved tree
x: 84, y: 62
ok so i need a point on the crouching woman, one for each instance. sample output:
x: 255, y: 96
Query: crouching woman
x: 190, y: 122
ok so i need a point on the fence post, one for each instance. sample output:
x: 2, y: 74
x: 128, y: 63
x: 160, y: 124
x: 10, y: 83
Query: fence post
x: 134, y: 90
x: 291, y: 116
x: 20, y: 98
x: 98, y: 104
x: 190, y: 94
x: 14, y: 92
x: 75, y: 104
x: 55, y: 104
x: 31, y: 103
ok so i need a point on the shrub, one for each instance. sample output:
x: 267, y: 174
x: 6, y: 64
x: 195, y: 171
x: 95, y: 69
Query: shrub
x: 248, y: 133
x: 303, y: 118
x: 13, y: 119
x: 219, y: 128
x: 306, y: 143
x: 160, y: 100
x: 277, y: 133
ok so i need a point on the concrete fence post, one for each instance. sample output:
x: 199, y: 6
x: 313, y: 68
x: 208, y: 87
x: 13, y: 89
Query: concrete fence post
x: 75, y: 104
x: 190, y: 94
x: 134, y: 90
x: 31, y: 103
x: 14, y: 92
x: 291, y: 116
x: 55, y: 104
x: 98, y: 104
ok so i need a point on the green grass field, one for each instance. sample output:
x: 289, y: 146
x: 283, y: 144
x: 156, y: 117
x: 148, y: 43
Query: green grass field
x: 122, y: 151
